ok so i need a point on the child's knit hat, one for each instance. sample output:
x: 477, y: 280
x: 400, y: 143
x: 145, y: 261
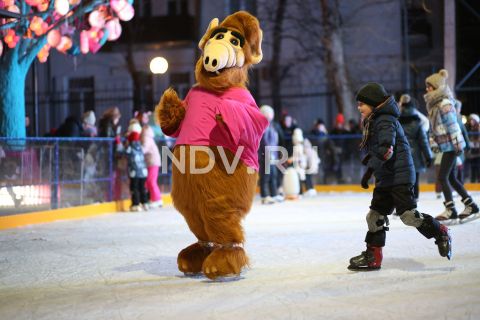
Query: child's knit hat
x: 372, y: 94
x: 406, y: 101
x: 475, y: 117
x: 267, y: 111
x: 134, y: 130
x: 437, y: 80
x: 89, y: 118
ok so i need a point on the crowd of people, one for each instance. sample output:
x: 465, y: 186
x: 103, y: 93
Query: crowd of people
x: 319, y: 153
x: 136, y: 153
x: 441, y: 139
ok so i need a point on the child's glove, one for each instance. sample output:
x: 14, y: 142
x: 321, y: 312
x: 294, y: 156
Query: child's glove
x: 388, y: 153
x: 366, y: 159
x: 366, y: 176
x: 118, y: 140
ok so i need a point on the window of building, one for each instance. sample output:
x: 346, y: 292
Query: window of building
x: 81, y: 95
x: 180, y: 81
x: 177, y: 7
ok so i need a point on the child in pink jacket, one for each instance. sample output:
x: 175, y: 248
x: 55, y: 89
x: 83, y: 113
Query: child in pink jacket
x: 153, y: 161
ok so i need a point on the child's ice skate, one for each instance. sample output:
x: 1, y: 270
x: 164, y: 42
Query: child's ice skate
x: 368, y: 260
x: 444, y: 242
x: 449, y: 216
x: 471, y: 211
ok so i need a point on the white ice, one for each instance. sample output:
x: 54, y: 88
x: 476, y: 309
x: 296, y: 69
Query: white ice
x: 123, y: 266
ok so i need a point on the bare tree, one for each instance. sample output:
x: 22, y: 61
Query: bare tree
x: 275, y: 71
x: 335, y: 67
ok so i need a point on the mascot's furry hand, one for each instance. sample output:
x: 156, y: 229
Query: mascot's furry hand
x: 170, y: 111
x: 366, y: 176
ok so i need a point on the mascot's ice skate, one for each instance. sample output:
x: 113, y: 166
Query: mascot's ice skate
x: 218, y: 129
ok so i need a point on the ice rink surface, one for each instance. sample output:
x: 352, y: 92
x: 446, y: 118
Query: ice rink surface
x: 123, y: 266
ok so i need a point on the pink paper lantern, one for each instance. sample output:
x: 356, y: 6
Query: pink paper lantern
x: 118, y: 5
x: 54, y: 37
x: 43, y: 53
x: 84, y: 47
x: 123, y: 9
x: 62, y: 7
x: 127, y: 13
x: 33, y: 2
x: 14, y: 9
x: 38, y: 26
x: 114, y: 29
x: 43, y: 6
x: 11, y: 39
x: 96, y: 19
x: 65, y: 44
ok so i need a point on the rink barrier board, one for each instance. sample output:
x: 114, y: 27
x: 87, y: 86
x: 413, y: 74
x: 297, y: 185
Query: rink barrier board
x: 430, y: 187
x: 81, y: 212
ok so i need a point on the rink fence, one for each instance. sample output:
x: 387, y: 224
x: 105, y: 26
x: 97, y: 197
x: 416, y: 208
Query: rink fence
x: 44, y: 174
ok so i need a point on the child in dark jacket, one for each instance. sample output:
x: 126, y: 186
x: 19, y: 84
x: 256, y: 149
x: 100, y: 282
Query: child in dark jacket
x: 137, y: 168
x: 389, y: 159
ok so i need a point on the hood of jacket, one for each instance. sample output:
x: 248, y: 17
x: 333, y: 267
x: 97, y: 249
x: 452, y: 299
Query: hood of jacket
x: 388, y: 107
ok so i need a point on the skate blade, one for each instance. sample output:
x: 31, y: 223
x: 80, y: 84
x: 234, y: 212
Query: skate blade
x: 470, y: 218
x: 363, y: 269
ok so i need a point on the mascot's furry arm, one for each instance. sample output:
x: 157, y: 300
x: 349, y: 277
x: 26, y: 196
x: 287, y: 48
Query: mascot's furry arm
x: 170, y: 111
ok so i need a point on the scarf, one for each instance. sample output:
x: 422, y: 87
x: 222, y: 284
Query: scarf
x: 434, y: 97
x: 366, y: 130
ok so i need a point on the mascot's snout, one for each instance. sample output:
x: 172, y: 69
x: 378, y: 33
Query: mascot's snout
x: 223, y: 50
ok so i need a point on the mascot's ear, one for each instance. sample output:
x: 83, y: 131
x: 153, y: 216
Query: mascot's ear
x: 257, y: 53
x: 211, y: 25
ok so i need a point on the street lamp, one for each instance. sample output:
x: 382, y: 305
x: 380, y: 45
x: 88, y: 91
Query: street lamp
x: 158, y: 65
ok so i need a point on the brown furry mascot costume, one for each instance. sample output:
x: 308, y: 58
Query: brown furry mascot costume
x: 218, y: 128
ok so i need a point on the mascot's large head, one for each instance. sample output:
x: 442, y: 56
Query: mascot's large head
x: 228, y: 49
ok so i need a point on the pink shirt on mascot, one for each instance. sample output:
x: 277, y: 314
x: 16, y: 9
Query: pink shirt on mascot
x: 244, y: 122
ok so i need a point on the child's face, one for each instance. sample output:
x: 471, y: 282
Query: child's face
x: 364, y: 109
x: 430, y: 88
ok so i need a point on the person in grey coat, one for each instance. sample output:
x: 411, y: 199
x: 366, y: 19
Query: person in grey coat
x: 417, y: 138
x: 389, y: 159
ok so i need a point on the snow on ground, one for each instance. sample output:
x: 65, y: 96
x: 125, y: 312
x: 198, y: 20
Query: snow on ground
x: 123, y: 266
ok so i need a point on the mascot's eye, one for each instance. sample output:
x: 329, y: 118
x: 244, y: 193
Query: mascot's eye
x: 219, y: 36
x: 234, y: 42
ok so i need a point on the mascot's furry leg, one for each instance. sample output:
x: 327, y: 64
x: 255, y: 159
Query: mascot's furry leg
x: 213, y: 213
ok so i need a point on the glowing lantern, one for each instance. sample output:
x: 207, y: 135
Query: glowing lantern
x: 96, y: 19
x: 33, y: 2
x: 11, y: 39
x: 7, y: 3
x: 123, y: 9
x: 159, y: 65
x: 43, y: 53
x: 74, y: 2
x: 84, y: 47
x: 114, y: 29
x: 14, y: 9
x: 62, y: 7
x: 43, y: 6
x: 65, y: 44
x: 54, y: 37
x: 38, y: 26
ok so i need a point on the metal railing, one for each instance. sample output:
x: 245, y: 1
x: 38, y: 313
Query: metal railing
x: 39, y: 174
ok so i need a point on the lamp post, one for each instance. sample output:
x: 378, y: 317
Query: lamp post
x: 159, y: 65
